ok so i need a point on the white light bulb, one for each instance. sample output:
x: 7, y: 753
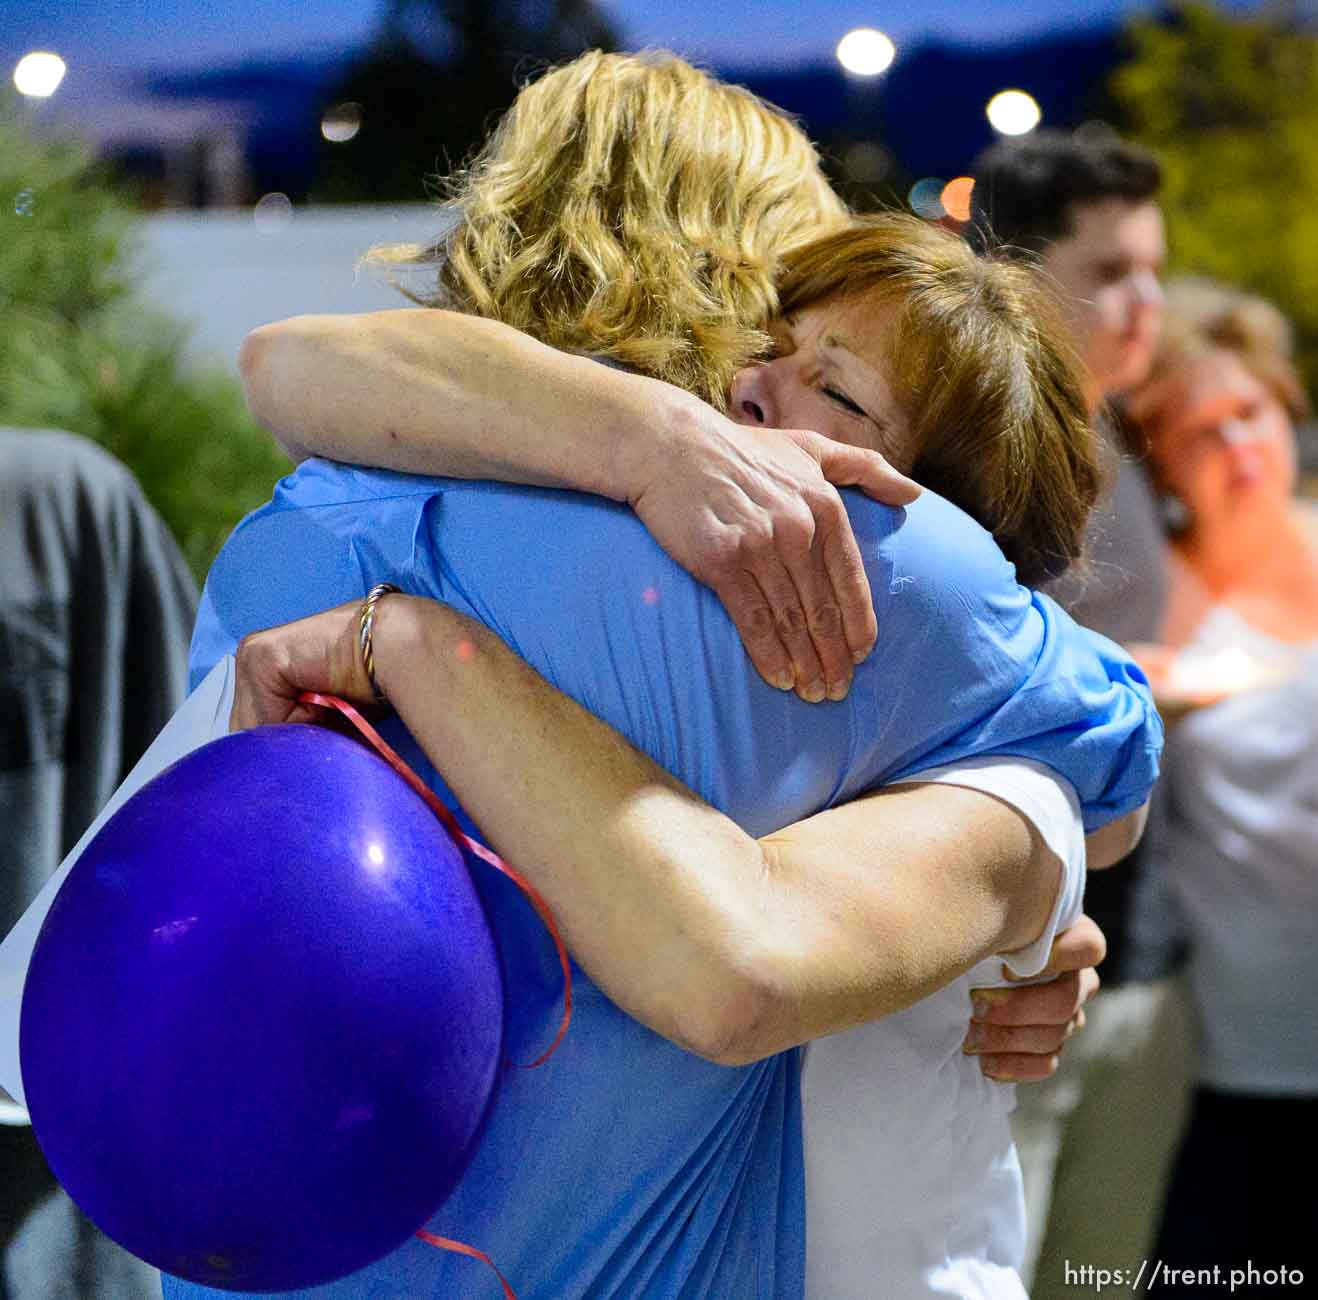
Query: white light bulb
x: 1013, y: 112
x: 865, y: 52
x: 39, y: 74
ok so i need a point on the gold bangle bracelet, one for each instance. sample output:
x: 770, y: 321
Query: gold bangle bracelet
x: 366, y: 626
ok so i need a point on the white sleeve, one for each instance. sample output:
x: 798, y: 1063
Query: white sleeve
x: 1049, y: 801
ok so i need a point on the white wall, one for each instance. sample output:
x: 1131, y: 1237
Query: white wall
x: 224, y: 272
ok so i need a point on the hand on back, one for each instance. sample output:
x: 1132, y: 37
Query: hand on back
x: 755, y: 514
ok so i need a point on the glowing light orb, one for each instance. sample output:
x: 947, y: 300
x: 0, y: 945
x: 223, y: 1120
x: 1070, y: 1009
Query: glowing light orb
x: 865, y: 53
x: 955, y: 197
x: 39, y: 74
x: 1013, y: 112
x: 925, y: 199
x: 341, y: 123
x: 272, y: 213
x: 866, y: 162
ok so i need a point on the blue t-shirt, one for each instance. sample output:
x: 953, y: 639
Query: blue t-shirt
x: 626, y: 1167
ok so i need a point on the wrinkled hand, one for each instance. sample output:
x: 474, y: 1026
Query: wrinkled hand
x: 1019, y: 1033
x: 319, y: 653
x: 755, y: 515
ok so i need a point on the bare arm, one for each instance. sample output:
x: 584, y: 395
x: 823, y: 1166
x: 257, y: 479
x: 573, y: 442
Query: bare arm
x: 436, y: 392
x: 752, y: 513
x: 750, y: 946
x: 1109, y: 844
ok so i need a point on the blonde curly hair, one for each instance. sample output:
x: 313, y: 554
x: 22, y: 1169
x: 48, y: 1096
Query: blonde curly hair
x: 631, y: 207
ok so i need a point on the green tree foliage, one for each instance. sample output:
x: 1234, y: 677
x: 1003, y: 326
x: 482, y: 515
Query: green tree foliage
x: 1229, y: 103
x: 80, y: 350
x: 435, y: 80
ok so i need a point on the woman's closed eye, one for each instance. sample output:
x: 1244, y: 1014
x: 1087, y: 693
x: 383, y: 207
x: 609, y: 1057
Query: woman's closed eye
x: 836, y: 395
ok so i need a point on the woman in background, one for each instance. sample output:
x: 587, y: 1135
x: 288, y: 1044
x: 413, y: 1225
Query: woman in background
x: 1241, y: 779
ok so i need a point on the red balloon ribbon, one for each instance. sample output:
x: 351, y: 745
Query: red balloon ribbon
x: 445, y: 1244
x: 390, y: 756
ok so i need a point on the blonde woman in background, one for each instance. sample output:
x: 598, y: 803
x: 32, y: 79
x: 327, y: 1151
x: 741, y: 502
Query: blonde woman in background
x: 1242, y: 840
x: 682, y: 1228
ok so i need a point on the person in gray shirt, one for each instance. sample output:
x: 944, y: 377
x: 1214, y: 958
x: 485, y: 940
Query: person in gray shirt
x: 96, y: 609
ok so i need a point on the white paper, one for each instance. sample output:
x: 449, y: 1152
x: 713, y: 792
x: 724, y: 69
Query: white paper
x: 204, y: 717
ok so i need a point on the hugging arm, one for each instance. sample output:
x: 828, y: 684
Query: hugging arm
x: 752, y: 513
x: 730, y: 946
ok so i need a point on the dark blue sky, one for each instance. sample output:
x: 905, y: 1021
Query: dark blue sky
x: 99, y: 36
x: 131, y: 34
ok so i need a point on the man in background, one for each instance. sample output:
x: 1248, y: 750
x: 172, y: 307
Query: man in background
x: 96, y: 607
x: 1096, y: 1140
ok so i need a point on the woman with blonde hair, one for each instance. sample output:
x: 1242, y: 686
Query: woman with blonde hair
x: 1242, y: 836
x: 731, y: 948
x: 586, y: 219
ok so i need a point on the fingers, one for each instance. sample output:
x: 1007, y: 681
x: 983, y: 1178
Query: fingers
x: 851, y: 591
x: 1053, y: 1003
x: 1032, y: 1040
x: 787, y: 611
x: 753, y: 617
x: 848, y: 466
x: 1020, y: 1054
x: 1019, y: 1033
x: 766, y: 530
x: 273, y: 668
x: 261, y: 693
x: 824, y: 622
x: 1078, y: 946
x: 1011, y: 1067
x: 781, y: 591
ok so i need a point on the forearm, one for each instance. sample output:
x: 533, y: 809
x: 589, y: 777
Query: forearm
x: 731, y: 947
x: 659, y: 897
x: 428, y: 391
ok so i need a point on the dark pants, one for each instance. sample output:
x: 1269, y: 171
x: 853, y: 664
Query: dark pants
x: 1243, y: 1196
x: 49, y: 1250
x: 24, y: 1180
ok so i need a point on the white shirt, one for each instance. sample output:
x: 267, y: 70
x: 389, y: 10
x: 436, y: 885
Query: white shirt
x: 912, y: 1185
x: 1242, y: 859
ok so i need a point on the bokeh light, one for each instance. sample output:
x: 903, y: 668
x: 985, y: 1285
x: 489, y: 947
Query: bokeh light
x: 865, y: 53
x: 925, y: 199
x: 955, y: 197
x: 341, y: 122
x: 273, y: 212
x: 39, y: 74
x: 866, y: 163
x: 1013, y: 112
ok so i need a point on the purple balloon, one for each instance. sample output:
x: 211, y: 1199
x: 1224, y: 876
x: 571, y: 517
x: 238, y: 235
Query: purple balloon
x: 263, y: 1019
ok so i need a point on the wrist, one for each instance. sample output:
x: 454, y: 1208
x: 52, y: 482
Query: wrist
x: 398, y: 638
x: 418, y: 636
x: 666, y: 422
